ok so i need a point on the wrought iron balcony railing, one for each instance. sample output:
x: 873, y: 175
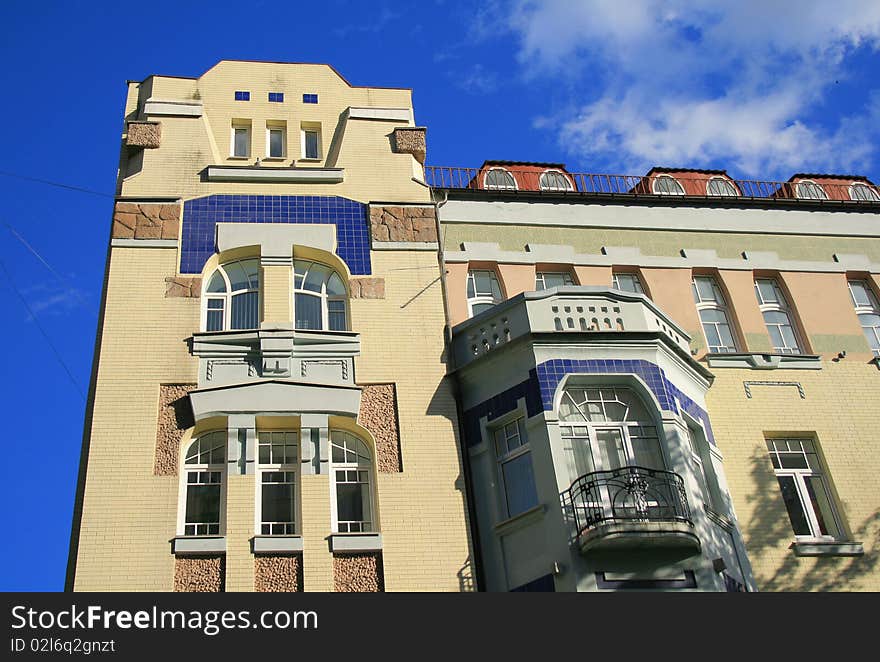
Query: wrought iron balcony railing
x: 627, y: 494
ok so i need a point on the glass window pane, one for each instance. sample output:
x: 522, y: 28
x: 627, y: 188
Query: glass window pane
x: 519, y: 484
x: 311, y: 140
x: 276, y: 143
x: 335, y: 285
x: 821, y: 506
x: 214, y: 321
x: 278, y: 501
x: 307, y: 309
x: 793, y: 505
x: 203, y: 504
x: 300, y: 268
x: 611, y: 449
x: 245, y: 311
x: 314, y: 281
x: 217, y: 284
x: 647, y: 453
x: 350, y: 502
x: 705, y: 289
x: 336, y: 315
x: 241, y: 142
x: 480, y: 307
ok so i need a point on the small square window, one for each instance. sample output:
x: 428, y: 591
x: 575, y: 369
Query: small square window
x: 241, y: 95
x: 310, y: 98
x: 276, y: 97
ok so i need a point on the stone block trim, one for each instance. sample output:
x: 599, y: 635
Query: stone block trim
x: 175, y: 416
x: 183, y: 286
x: 378, y: 414
x: 143, y: 220
x: 144, y: 134
x: 199, y: 574
x: 367, y: 288
x: 411, y: 140
x: 358, y: 573
x: 413, y: 224
x: 278, y: 574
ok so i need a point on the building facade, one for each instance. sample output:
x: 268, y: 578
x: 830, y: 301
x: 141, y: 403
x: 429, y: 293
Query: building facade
x: 684, y: 376
x: 269, y: 407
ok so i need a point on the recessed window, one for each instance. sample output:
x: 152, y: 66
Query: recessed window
x: 276, y: 140
x: 276, y: 97
x: 515, y: 467
x: 241, y: 95
x: 804, y: 489
x: 483, y: 291
x: 499, y: 179
x: 310, y: 139
x: 544, y: 280
x: 241, y: 140
x: 868, y: 312
x: 667, y: 185
x: 310, y: 98
x: 863, y: 193
x: 319, y: 297
x: 351, y: 477
x: 204, y: 468
x: 721, y: 187
x: 628, y: 282
x: 553, y: 180
x: 278, y: 455
x: 713, y: 314
x: 810, y: 190
x: 232, y: 297
x: 775, y: 310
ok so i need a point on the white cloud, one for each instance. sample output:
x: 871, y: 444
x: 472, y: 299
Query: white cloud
x: 693, y: 82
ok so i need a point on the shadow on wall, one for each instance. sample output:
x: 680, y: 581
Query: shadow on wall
x: 466, y: 582
x: 769, y: 531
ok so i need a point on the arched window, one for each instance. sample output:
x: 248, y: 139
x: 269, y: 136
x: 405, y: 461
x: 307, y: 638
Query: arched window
x: 607, y: 428
x: 868, y: 312
x: 319, y: 297
x: 810, y: 190
x: 721, y: 187
x: 499, y: 179
x: 483, y: 291
x: 553, y: 180
x: 351, y: 475
x: 232, y: 296
x: 667, y: 185
x: 204, y: 468
x: 863, y: 193
x: 713, y: 314
x: 774, y: 308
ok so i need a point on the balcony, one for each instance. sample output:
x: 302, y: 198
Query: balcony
x: 630, y: 508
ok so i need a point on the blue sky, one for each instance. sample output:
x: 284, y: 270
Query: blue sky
x: 764, y: 89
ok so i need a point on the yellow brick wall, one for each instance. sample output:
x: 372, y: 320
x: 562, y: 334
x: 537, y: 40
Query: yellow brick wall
x: 240, y: 503
x: 276, y: 294
x: 840, y: 411
x: 317, y: 560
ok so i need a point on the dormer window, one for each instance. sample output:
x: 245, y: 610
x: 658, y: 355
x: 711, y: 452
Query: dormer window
x: 863, y: 193
x: 810, y: 190
x: 721, y: 187
x: 553, y: 180
x: 667, y: 185
x: 232, y: 297
x: 499, y: 179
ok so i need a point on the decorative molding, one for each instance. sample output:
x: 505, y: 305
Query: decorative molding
x: 260, y: 174
x: 343, y: 365
x: 174, y: 107
x: 209, y: 367
x: 688, y: 580
x: 765, y: 361
x: 387, y: 114
x: 747, y: 386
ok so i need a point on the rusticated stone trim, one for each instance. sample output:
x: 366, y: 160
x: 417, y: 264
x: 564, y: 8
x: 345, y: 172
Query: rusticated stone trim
x: 144, y: 134
x: 175, y: 416
x: 414, y: 224
x: 146, y: 220
x: 199, y: 574
x: 183, y: 286
x: 411, y: 140
x: 378, y: 414
x: 367, y: 288
x: 358, y: 573
x: 278, y: 574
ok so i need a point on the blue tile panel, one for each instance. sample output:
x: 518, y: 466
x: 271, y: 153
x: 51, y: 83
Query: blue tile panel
x: 242, y: 96
x: 277, y: 97
x: 539, y: 389
x: 310, y: 98
x: 200, y: 216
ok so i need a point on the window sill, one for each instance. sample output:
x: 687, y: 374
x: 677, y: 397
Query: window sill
x: 764, y: 361
x: 276, y: 544
x: 273, y: 158
x: 356, y: 542
x: 522, y: 520
x: 238, y: 158
x: 826, y: 548
x: 188, y: 545
x: 311, y: 160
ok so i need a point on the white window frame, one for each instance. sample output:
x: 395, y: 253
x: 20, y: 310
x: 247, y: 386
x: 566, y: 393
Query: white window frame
x: 290, y: 465
x: 540, y: 277
x: 497, y: 187
x: 729, y: 185
x: 227, y: 296
x: 637, y: 283
x: 656, y: 179
x: 799, y: 476
x: 482, y: 298
x: 283, y: 130
x: 718, y: 304
x: 201, y: 468
x: 303, y: 131
x: 247, y: 129
x: 511, y: 442
x: 324, y: 296
x: 365, y: 467
x: 873, y: 196
x: 568, y: 184
x: 780, y: 306
x: 805, y: 185
x: 863, y: 310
